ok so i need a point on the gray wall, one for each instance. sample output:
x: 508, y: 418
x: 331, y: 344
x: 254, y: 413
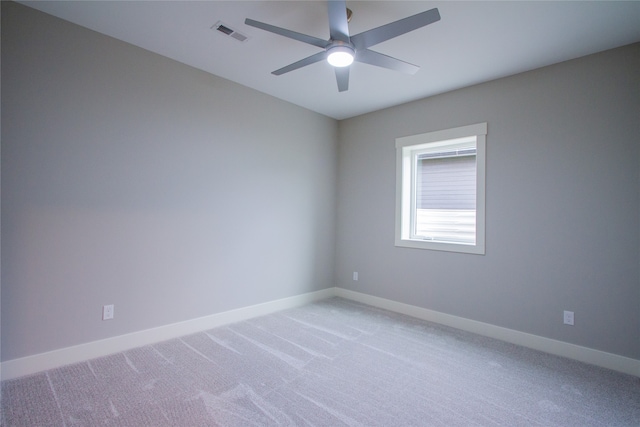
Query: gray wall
x: 562, y: 228
x: 134, y: 180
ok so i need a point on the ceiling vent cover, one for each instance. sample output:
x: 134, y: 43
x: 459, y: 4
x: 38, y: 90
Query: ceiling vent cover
x: 226, y: 30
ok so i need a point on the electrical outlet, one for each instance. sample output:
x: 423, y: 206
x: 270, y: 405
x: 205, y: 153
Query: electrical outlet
x: 355, y: 276
x: 568, y: 317
x: 107, y: 312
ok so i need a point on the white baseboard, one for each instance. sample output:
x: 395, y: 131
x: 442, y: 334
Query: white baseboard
x: 547, y: 345
x: 40, y: 362
x: 53, y: 359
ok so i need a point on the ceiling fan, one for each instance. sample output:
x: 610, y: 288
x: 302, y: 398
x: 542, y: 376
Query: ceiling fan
x: 342, y: 49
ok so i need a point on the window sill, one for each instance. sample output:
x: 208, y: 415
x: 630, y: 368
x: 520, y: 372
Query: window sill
x: 477, y: 249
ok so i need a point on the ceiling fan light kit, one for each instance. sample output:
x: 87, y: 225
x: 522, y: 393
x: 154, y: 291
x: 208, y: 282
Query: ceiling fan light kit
x: 340, y: 56
x: 341, y: 50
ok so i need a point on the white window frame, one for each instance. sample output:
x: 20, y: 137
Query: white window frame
x: 406, y: 149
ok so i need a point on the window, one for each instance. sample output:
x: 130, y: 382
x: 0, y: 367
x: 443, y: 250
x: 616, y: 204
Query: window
x: 440, y: 190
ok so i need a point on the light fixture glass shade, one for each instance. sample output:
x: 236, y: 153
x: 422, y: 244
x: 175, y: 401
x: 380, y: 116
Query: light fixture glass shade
x: 340, y: 56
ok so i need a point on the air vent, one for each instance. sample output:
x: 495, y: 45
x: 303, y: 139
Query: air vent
x: 226, y: 30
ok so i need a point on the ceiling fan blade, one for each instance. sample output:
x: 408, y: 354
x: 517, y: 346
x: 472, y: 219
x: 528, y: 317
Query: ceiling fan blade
x: 288, y: 33
x: 338, y: 26
x: 342, y: 77
x: 377, y: 35
x: 379, y: 60
x: 302, y: 63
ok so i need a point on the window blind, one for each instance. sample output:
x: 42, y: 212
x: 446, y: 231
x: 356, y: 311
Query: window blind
x: 446, y: 183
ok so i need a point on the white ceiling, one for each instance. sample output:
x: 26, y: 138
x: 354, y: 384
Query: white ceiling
x: 475, y: 41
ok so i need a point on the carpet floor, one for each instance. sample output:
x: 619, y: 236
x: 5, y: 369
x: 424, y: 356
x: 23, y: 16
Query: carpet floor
x: 331, y: 363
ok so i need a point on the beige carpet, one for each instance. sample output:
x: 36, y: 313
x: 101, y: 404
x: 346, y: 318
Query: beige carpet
x: 332, y: 363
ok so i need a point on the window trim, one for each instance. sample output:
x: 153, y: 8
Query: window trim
x: 404, y: 176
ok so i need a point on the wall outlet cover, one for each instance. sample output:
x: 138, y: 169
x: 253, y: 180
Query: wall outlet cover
x: 107, y: 312
x: 568, y: 317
